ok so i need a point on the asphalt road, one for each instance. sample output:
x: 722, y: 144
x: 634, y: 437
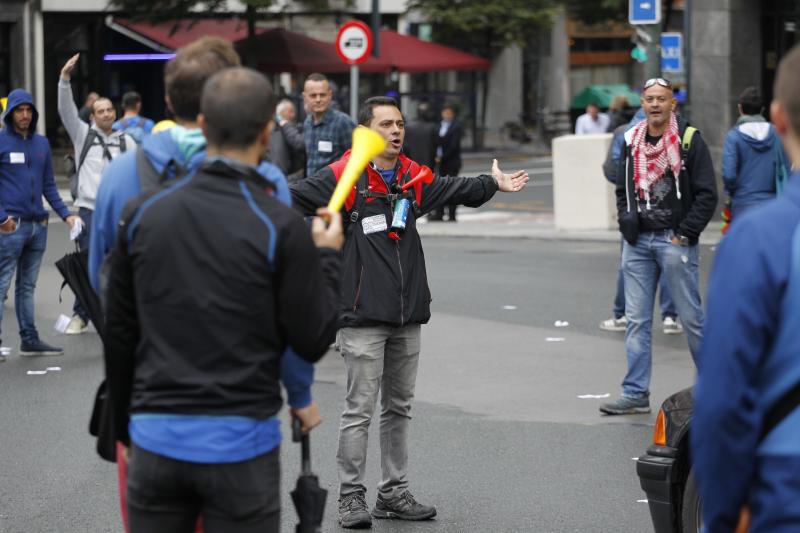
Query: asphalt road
x: 500, y: 441
x: 536, y: 197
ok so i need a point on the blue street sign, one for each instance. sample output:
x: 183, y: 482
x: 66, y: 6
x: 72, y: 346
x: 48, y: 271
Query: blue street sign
x: 671, y: 52
x: 644, y: 11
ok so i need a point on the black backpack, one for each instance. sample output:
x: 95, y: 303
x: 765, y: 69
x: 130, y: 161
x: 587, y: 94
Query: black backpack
x: 73, y: 170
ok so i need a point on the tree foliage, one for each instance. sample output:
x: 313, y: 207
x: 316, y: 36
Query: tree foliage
x: 487, y: 26
x: 594, y: 11
x: 161, y: 10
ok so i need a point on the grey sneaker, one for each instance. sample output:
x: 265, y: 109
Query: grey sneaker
x: 614, y: 324
x: 670, y: 326
x: 404, y: 507
x: 626, y: 406
x: 37, y: 347
x: 353, y: 511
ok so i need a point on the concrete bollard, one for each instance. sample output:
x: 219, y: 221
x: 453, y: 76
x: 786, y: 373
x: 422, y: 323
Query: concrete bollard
x: 583, y: 199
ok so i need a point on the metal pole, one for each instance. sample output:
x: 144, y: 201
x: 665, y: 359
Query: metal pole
x: 354, y: 92
x: 652, y: 68
x: 375, y: 22
x: 687, y: 52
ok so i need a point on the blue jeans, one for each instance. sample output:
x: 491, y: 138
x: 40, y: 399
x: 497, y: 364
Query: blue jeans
x: 22, y: 251
x: 651, y: 256
x: 83, y: 244
x: 667, y: 307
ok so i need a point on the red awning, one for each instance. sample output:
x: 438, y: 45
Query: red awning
x: 280, y: 50
x: 406, y: 53
x: 169, y: 36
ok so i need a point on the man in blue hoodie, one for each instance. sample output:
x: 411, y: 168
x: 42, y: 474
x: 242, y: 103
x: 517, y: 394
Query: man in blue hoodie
x: 26, y: 173
x: 753, y: 159
x: 745, y: 437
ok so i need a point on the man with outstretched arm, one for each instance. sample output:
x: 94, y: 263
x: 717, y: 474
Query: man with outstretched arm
x: 383, y: 302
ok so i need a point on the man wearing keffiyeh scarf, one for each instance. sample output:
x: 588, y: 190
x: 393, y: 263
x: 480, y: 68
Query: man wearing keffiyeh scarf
x: 650, y: 162
x: 666, y: 194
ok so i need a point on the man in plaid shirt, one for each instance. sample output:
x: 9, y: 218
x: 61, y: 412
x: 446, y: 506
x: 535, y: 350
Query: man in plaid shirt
x: 328, y: 133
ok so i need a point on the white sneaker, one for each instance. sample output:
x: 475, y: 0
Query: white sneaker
x: 671, y: 326
x: 76, y: 326
x: 614, y: 324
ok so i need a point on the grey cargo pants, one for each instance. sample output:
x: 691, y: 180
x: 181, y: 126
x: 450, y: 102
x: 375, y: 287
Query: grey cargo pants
x: 378, y: 358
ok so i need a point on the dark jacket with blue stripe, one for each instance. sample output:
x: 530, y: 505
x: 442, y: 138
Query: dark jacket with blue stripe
x: 211, y: 279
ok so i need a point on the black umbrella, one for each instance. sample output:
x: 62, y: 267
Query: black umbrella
x: 75, y: 270
x: 308, y: 496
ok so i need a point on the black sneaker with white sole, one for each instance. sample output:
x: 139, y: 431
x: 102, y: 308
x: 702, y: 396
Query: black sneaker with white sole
x: 403, y: 507
x: 353, y: 511
x: 37, y: 347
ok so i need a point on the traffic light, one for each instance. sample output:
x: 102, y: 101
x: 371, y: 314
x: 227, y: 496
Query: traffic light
x: 642, y: 40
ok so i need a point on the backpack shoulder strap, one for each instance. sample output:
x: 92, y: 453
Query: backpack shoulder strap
x: 686, y: 141
x: 122, y: 143
x: 87, y: 143
x: 148, y: 175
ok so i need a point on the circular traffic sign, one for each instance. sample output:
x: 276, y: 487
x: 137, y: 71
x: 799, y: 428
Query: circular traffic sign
x: 354, y: 42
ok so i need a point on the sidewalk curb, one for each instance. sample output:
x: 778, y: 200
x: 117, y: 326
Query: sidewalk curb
x: 510, y: 225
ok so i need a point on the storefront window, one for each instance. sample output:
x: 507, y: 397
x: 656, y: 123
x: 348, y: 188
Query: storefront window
x: 5, y: 59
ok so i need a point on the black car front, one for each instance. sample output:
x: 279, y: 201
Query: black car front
x: 664, y: 469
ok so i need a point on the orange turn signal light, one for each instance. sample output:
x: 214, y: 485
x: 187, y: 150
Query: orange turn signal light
x: 659, y: 431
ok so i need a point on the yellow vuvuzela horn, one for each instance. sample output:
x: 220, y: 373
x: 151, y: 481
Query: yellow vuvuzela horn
x: 366, y: 145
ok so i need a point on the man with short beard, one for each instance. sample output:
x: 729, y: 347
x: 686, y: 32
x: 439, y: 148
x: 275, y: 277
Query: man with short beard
x: 383, y: 303
x: 666, y: 194
x: 26, y: 173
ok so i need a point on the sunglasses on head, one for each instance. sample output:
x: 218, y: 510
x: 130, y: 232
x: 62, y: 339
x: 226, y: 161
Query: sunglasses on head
x: 661, y: 81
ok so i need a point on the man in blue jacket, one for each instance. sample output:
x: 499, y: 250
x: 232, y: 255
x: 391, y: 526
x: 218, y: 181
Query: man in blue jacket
x: 749, y: 355
x: 753, y: 157
x: 26, y: 173
x: 184, y: 146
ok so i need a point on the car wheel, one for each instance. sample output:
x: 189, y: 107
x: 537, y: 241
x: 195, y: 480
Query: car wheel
x: 691, y: 516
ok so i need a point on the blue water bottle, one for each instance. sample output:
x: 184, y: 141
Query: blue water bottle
x: 399, y: 218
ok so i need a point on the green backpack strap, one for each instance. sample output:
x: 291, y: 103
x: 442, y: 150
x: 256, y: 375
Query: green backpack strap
x: 686, y: 142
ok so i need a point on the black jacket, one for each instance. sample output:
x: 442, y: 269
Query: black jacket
x: 384, y: 280
x: 698, y: 186
x: 287, y: 150
x: 450, y: 142
x: 420, y: 142
x: 210, y: 280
